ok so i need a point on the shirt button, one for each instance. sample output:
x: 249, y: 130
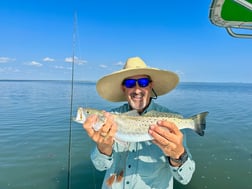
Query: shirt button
x: 129, y: 166
x: 127, y: 182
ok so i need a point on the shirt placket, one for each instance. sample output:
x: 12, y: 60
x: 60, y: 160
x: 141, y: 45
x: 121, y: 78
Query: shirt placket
x: 131, y: 166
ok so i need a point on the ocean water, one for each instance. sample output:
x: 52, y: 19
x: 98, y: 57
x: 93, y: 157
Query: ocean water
x: 35, y: 134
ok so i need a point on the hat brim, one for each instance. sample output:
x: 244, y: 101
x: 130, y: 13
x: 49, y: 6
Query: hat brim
x: 109, y: 87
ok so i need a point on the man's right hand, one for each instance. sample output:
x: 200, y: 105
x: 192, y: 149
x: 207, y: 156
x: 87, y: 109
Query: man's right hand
x: 104, y: 137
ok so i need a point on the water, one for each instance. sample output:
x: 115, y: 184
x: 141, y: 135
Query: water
x: 34, y: 134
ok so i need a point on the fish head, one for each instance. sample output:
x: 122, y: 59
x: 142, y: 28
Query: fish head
x: 89, y: 111
x: 86, y: 112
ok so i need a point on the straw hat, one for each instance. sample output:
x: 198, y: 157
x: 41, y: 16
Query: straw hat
x: 109, y: 86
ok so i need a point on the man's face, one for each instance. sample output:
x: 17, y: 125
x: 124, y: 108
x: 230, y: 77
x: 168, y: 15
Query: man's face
x: 138, y: 97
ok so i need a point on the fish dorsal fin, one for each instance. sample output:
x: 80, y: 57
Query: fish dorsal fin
x: 154, y: 113
x: 131, y: 113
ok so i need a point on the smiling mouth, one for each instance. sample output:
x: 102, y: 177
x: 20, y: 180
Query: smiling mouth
x: 137, y: 96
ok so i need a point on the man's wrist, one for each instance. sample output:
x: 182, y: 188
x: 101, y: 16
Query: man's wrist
x: 105, y: 150
x: 178, y: 162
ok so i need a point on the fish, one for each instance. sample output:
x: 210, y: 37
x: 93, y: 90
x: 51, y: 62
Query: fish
x: 133, y: 127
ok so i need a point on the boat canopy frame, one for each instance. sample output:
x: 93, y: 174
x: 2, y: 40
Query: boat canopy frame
x: 234, y: 15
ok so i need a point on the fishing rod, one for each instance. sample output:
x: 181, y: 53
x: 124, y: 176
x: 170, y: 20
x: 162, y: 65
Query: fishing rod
x: 69, y: 166
x: 74, y: 59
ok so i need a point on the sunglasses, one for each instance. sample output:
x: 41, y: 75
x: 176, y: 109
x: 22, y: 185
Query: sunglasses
x: 142, y: 82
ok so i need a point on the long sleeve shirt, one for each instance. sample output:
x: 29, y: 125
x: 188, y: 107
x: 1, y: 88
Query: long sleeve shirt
x: 144, y: 164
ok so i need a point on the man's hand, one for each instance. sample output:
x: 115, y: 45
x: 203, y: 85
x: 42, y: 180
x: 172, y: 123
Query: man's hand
x: 169, y: 138
x: 104, y: 137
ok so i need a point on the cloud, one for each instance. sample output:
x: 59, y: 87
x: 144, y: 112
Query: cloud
x: 103, y: 66
x: 6, y: 59
x: 62, y: 68
x: 180, y: 73
x: 34, y: 63
x: 120, y: 63
x: 76, y: 60
x: 9, y: 70
x: 48, y: 59
x: 69, y: 59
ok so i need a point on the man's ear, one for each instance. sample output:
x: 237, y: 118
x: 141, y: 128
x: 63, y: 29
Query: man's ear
x: 152, y: 84
x: 122, y: 88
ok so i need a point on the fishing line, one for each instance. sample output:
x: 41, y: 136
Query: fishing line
x: 69, y: 166
x: 74, y: 61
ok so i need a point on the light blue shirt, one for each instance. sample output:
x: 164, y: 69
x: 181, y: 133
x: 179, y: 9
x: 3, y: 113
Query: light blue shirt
x: 144, y: 164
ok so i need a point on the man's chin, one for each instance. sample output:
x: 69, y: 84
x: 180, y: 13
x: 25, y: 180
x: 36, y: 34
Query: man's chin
x: 137, y: 106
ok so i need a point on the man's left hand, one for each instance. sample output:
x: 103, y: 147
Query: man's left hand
x: 169, y: 138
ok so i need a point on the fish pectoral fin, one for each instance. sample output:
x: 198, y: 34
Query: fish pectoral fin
x: 119, y: 177
x: 97, y: 126
x: 111, y: 180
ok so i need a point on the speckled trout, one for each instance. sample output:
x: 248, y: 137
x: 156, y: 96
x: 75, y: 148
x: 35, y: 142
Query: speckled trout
x: 134, y: 128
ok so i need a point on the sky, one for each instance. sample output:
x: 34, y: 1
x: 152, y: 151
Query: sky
x: 39, y: 38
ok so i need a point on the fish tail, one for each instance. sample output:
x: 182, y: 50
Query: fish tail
x: 110, y: 180
x: 119, y: 177
x: 200, y: 122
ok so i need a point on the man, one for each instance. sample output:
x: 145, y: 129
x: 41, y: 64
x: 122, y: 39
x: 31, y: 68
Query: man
x: 150, y: 164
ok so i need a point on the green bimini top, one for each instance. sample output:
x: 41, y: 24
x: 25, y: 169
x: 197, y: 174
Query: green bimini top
x: 234, y: 15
